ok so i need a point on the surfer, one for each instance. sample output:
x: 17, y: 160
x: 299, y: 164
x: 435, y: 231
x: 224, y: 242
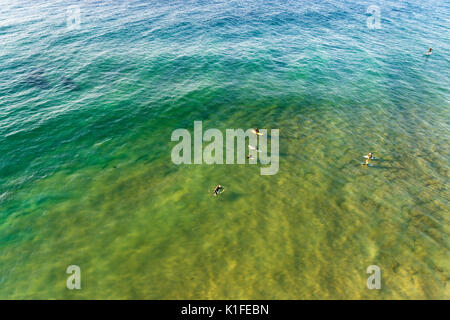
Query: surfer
x: 366, y: 163
x: 370, y: 155
x: 217, y: 189
x: 254, y: 148
x: 256, y: 131
x: 429, y: 52
x: 250, y: 157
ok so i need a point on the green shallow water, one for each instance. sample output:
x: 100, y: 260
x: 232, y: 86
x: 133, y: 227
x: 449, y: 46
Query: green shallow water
x: 87, y: 177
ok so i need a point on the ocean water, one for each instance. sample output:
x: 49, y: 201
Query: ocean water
x: 86, y: 177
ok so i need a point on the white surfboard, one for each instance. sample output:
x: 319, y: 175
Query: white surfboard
x: 254, y: 148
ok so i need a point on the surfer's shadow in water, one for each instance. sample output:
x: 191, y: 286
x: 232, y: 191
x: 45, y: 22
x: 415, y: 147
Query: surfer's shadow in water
x: 374, y: 165
x: 227, y: 195
x: 393, y: 168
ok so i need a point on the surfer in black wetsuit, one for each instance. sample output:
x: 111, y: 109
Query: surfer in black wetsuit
x: 217, y: 189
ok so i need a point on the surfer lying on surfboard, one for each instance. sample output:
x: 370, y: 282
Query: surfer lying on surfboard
x: 370, y: 156
x: 254, y: 148
x: 256, y: 131
x: 217, y: 189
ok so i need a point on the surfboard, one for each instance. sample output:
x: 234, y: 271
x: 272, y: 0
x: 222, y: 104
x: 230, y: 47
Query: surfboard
x: 254, y: 148
x: 364, y: 164
x: 428, y: 53
x: 373, y: 158
x: 220, y: 192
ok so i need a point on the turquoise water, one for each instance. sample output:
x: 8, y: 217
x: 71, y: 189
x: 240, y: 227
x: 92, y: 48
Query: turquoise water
x: 86, y: 176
